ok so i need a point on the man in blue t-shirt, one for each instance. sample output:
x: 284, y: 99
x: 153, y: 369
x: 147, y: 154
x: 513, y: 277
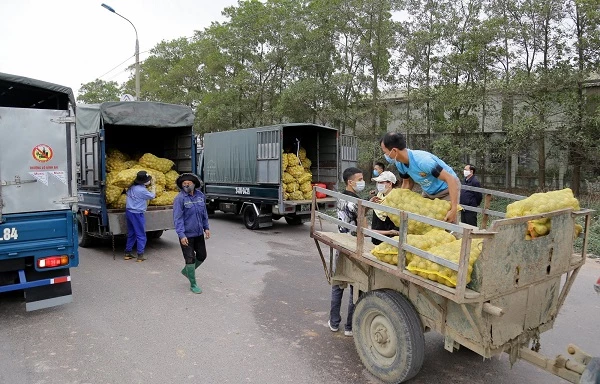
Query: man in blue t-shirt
x: 435, y: 177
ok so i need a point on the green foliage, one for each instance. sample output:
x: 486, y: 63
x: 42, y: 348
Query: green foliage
x: 98, y: 91
x: 450, y: 63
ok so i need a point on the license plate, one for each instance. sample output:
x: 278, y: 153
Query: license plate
x: 305, y: 207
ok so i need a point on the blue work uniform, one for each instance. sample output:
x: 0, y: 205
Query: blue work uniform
x: 190, y: 215
x: 136, y: 204
x: 191, y: 220
x: 425, y: 168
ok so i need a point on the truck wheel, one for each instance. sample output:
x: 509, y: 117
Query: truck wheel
x: 85, y: 240
x: 250, y: 217
x: 293, y: 220
x: 154, y: 234
x: 388, y: 336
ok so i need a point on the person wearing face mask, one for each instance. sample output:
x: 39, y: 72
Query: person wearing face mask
x: 436, y: 178
x: 378, y: 169
x: 470, y: 198
x: 381, y: 223
x: 191, y: 224
x: 347, y: 212
x: 136, y: 204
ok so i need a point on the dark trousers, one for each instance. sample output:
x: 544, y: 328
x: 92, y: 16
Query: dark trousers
x: 469, y: 217
x: 136, y: 231
x: 195, y: 250
x: 336, y: 303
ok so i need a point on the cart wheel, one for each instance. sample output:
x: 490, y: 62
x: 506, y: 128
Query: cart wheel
x: 293, y: 220
x: 85, y: 240
x: 250, y: 217
x: 154, y: 234
x: 388, y: 336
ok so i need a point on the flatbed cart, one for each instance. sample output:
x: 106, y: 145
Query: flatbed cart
x: 516, y: 291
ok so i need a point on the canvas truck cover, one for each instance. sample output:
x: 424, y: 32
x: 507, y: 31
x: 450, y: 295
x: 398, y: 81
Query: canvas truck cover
x: 230, y: 157
x: 132, y: 113
x: 23, y: 92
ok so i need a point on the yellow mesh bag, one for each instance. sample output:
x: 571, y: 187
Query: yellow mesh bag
x: 166, y: 198
x: 112, y: 194
x: 296, y: 195
x: 287, y: 178
x: 305, y: 177
x: 406, y: 200
x: 153, y: 162
x: 449, y: 251
x: 170, y: 179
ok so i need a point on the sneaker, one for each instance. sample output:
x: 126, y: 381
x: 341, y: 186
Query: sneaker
x: 348, y: 333
x: 129, y: 256
x: 333, y: 329
x: 140, y: 257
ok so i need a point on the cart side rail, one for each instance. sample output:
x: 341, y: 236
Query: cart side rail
x: 564, y: 261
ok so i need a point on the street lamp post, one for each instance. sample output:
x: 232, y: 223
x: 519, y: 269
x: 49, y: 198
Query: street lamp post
x: 137, y: 52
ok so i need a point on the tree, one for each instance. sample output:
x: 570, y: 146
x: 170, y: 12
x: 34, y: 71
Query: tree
x: 99, y: 91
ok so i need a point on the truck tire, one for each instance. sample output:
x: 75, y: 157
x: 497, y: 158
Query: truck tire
x: 293, y: 220
x: 250, y: 217
x: 154, y: 234
x: 388, y: 336
x: 85, y: 240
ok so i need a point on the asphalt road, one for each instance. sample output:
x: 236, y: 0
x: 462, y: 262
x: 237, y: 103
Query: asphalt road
x: 261, y: 319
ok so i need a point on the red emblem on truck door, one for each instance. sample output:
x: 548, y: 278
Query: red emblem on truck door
x: 42, y: 153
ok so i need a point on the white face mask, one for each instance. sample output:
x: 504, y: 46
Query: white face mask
x: 467, y: 173
x: 359, y: 186
x: 381, y: 187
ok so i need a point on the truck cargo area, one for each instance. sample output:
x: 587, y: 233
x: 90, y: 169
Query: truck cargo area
x: 134, y: 129
x: 173, y: 143
x: 243, y: 170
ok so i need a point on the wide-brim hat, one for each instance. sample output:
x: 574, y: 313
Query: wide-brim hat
x: 142, y: 177
x: 385, y: 176
x: 189, y: 177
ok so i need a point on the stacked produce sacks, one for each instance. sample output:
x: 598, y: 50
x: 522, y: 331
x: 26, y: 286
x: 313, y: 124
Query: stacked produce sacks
x: 437, y: 242
x: 296, y: 179
x: 121, y: 172
x: 542, y: 203
x: 443, y: 244
x: 409, y: 201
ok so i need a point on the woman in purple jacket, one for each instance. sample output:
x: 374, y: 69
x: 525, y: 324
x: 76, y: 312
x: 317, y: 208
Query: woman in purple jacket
x: 191, y: 224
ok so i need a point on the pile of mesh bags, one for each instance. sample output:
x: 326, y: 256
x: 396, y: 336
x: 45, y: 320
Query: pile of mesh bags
x: 542, y: 203
x: 296, y: 178
x: 122, y: 171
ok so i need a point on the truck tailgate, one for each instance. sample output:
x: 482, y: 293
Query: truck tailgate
x: 40, y: 234
x: 157, y: 218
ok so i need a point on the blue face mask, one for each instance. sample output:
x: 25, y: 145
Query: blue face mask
x: 389, y: 159
x: 375, y: 173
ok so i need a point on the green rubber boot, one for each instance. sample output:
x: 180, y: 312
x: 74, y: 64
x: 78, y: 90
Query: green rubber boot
x: 198, y: 263
x: 191, y: 275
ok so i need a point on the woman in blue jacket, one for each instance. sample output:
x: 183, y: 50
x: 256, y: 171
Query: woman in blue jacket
x: 191, y: 224
x: 137, y: 202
